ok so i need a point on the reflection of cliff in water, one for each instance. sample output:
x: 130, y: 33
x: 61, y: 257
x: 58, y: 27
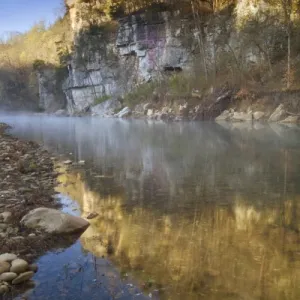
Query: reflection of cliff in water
x: 199, y: 251
x: 178, y: 162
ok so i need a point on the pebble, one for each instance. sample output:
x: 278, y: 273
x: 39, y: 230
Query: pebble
x: 23, y: 277
x: 19, y: 266
x: 3, y: 226
x: 6, y: 216
x: 32, y: 235
x: 8, y: 257
x: 67, y: 162
x: 4, y: 289
x: 17, y: 238
x: 8, y: 276
x: 4, y: 267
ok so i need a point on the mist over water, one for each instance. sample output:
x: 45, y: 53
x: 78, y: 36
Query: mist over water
x: 203, y: 210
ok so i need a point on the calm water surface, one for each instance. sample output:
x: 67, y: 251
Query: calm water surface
x: 186, y: 210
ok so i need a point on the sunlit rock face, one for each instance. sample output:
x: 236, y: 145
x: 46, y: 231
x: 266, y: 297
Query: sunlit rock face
x: 113, y: 57
x: 136, y: 52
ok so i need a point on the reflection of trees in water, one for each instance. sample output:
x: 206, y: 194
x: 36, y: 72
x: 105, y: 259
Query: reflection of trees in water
x: 184, y: 162
x: 237, y: 251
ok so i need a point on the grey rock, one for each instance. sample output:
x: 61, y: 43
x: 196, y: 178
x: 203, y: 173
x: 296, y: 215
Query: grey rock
x: 107, y: 108
x: 224, y: 116
x: 61, y: 113
x: 23, y: 277
x: 53, y: 221
x: 241, y: 117
x: 8, y: 276
x: 8, y: 257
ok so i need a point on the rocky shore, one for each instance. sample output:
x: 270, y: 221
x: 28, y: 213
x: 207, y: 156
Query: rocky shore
x: 225, y: 104
x: 28, y: 208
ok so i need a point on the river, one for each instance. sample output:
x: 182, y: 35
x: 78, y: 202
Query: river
x: 186, y: 210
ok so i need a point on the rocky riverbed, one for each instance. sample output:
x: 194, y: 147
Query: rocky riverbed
x: 27, y: 183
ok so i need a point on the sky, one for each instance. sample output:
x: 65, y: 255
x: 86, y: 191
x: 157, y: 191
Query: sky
x: 20, y: 15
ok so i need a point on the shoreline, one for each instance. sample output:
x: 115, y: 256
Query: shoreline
x: 27, y: 181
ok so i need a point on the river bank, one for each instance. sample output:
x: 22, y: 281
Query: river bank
x: 224, y: 104
x: 27, y: 181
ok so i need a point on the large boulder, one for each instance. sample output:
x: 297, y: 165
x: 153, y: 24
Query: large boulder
x: 54, y: 221
x: 242, y: 117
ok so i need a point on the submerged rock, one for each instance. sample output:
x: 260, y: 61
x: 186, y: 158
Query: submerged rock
x: 54, y: 221
x: 92, y: 215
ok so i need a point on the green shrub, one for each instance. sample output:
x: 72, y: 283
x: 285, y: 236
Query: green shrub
x: 143, y: 92
x: 101, y: 99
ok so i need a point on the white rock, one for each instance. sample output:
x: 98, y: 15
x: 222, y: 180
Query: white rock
x: 150, y: 112
x: 241, y: 116
x: 278, y: 114
x: 54, y: 221
x: 67, y: 162
x: 258, y: 115
x: 291, y: 119
x: 23, y: 277
x: 8, y: 276
x: 125, y: 112
x: 19, y: 266
x: 8, y: 257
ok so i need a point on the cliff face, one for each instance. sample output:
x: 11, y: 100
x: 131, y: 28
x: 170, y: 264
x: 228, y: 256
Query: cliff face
x: 111, y: 59
x: 138, y: 51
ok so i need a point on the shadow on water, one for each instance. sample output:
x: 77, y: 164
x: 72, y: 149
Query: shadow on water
x: 186, y: 211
